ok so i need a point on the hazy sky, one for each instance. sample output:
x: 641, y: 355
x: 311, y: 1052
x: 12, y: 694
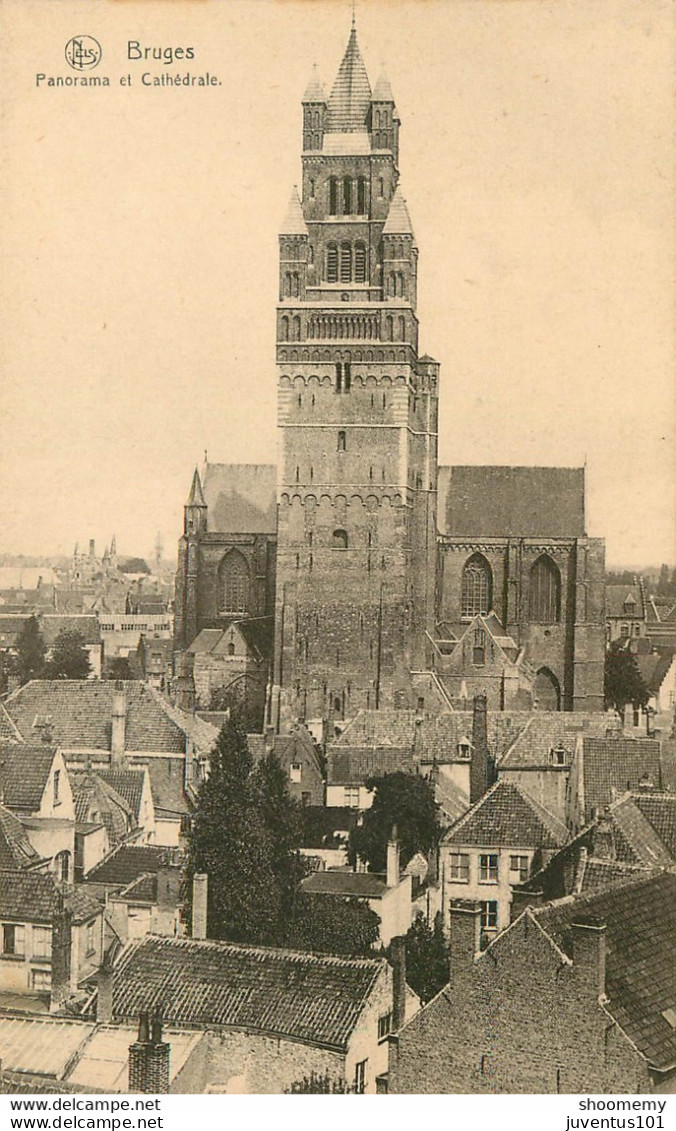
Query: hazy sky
x: 140, y: 248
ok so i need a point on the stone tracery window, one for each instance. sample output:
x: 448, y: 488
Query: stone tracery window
x: 233, y: 576
x: 545, y: 591
x: 476, y: 587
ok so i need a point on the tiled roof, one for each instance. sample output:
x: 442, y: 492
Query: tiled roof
x: 654, y: 667
x: 502, y: 502
x: 258, y: 633
x: 290, y: 994
x: 128, y: 784
x: 87, y: 626
x: 81, y: 712
x: 362, y: 885
x: 611, y: 765
x: 640, y: 919
x: 507, y: 816
x: 32, y: 897
x: 24, y: 773
x: 398, y: 221
x: 167, y: 777
x: 660, y: 810
x: 241, y: 497
x: 16, y: 851
x: 599, y: 874
x: 643, y: 840
x: 126, y: 864
x: 96, y: 799
x: 9, y: 732
x: 141, y: 890
x: 293, y: 223
x: 354, y: 765
x: 617, y: 596
x: 546, y: 730
x: 350, y: 99
x: 435, y: 738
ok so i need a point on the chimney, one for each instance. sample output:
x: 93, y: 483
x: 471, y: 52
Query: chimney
x: 481, y: 770
x: 603, y: 837
x: 149, y: 1058
x: 62, y: 931
x: 119, y: 725
x: 398, y: 960
x: 92, y: 548
x: 465, y: 937
x: 104, y: 994
x: 393, y: 859
x: 169, y: 880
x: 589, y: 954
x: 200, y: 883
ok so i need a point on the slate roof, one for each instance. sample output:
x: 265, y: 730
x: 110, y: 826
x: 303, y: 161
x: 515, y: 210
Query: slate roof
x: 354, y: 765
x: 361, y: 885
x: 544, y: 731
x: 141, y: 890
x: 167, y: 776
x: 87, y: 626
x: 659, y: 808
x: 293, y: 223
x: 196, y: 495
x: 599, y: 874
x: 398, y: 221
x: 507, y: 816
x: 614, y: 765
x: 241, y: 497
x: 33, y: 897
x: 383, y: 90
x: 640, y: 918
x: 93, y: 795
x: 126, y: 864
x: 502, y: 502
x: 314, y: 91
x: 258, y: 633
x: 81, y: 712
x: 8, y: 729
x: 16, y: 850
x: 618, y: 595
x: 350, y: 99
x: 24, y: 773
x: 305, y: 997
x: 128, y: 784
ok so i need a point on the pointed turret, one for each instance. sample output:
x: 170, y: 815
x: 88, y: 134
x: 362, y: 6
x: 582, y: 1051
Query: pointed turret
x: 314, y: 92
x: 294, y: 221
x: 196, y: 496
x: 314, y: 113
x: 113, y: 546
x: 383, y: 90
x: 398, y: 221
x: 350, y: 99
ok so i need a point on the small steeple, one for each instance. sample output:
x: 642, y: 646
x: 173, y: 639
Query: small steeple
x: 196, y: 496
x: 383, y: 90
x: 113, y: 547
x: 398, y: 221
x: 294, y: 221
x: 195, y: 510
x: 314, y: 91
x: 350, y: 99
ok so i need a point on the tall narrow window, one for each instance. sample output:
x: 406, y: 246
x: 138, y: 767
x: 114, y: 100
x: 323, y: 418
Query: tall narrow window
x: 348, y: 376
x: 339, y: 377
x: 284, y: 329
x: 545, y: 591
x: 361, y: 196
x: 345, y: 263
x: 332, y: 263
x: 296, y: 327
x: 402, y: 328
x: 312, y: 189
x: 333, y: 196
x: 347, y: 196
x: 479, y: 649
x: 476, y: 587
x: 389, y: 328
x: 381, y: 187
x: 360, y: 263
x: 342, y: 442
x: 233, y: 574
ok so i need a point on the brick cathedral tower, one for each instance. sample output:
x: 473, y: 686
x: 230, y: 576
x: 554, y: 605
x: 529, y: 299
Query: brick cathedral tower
x: 357, y: 416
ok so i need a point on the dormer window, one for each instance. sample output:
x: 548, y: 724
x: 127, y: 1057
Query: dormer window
x: 558, y: 755
x: 465, y: 749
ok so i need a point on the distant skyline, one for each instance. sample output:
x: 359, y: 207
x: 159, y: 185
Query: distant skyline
x: 140, y: 240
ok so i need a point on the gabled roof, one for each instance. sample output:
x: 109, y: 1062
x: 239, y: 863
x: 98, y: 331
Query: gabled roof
x: 548, y: 730
x: 16, y: 850
x: 491, y: 624
x: 314, y: 91
x: 9, y: 732
x: 654, y: 667
x: 24, y: 774
x: 127, y: 863
x: 128, y: 784
x: 350, y: 99
x: 241, y: 497
x: 617, y: 596
x: 398, y: 220
x: 502, y: 502
x: 640, y: 917
x: 614, y: 765
x: 506, y: 816
x: 92, y: 795
x: 33, y: 897
x: 81, y: 712
x: 659, y: 808
x: 305, y: 997
x: 293, y: 223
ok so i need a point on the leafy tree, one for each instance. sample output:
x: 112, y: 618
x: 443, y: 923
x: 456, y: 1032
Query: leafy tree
x: 622, y: 681
x: 404, y: 800
x: 427, y: 956
x: 244, y: 699
x: 29, y: 662
x: 317, y: 1085
x: 329, y: 925
x: 231, y: 843
x: 281, y: 816
x: 69, y: 657
x: 120, y: 668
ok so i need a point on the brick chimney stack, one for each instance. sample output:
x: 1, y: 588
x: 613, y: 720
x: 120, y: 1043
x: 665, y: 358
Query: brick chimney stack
x: 119, y: 726
x: 465, y: 937
x: 589, y: 955
x: 398, y: 959
x: 393, y: 859
x: 104, y: 994
x: 481, y: 770
x: 200, y: 895
x: 62, y: 934
x: 149, y: 1058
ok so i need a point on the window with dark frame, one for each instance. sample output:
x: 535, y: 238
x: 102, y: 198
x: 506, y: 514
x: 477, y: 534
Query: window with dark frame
x: 488, y: 868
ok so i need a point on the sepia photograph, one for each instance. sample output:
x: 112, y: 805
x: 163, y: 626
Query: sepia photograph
x: 337, y: 554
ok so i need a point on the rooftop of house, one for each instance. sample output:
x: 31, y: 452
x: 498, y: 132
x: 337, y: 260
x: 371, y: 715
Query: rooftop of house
x: 96, y: 800
x: 128, y: 784
x: 257, y: 633
x: 502, y: 502
x: 24, y: 774
x: 504, y: 817
x: 640, y: 918
x: 86, y: 624
x: 127, y: 863
x: 361, y: 885
x: 9, y: 732
x: 33, y: 897
x: 304, y: 997
x: 240, y: 497
x: 614, y: 765
x: 659, y: 808
x: 80, y: 714
x: 547, y: 731
x: 624, y: 601
x: 433, y: 737
x: 16, y: 850
x: 654, y: 667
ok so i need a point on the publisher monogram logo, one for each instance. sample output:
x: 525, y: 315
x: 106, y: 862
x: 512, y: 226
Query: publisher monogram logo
x: 83, y: 53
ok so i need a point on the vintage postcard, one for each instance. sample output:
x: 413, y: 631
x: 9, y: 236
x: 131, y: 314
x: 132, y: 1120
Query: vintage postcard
x: 337, y: 562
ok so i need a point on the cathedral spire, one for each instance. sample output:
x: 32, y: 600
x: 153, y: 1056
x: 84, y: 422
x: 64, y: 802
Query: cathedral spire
x: 314, y: 92
x: 196, y: 496
x: 294, y: 221
x: 350, y: 99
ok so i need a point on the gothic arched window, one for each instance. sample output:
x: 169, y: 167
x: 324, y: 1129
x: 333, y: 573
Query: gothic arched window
x: 233, y: 576
x: 545, y: 591
x: 284, y: 329
x: 296, y: 328
x: 332, y: 263
x: 389, y: 328
x: 476, y: 587
x: 345, y: 263
x: 360, y: 263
